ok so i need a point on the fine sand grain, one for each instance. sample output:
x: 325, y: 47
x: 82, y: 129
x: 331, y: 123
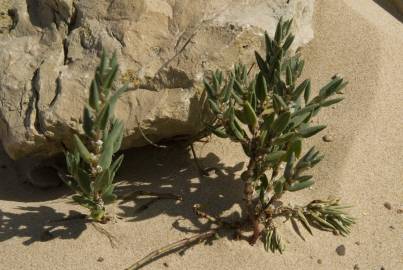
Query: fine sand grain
x: 363, y: 166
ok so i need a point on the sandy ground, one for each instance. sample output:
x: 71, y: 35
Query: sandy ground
x: 363, y: 166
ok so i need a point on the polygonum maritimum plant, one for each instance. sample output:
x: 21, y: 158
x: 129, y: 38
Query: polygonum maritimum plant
x: 269, y: 115
x: 91, y: 165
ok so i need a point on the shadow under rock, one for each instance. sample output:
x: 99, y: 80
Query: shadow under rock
x: 40, y: 224
x: 173, y: 171
x: 15, y: 185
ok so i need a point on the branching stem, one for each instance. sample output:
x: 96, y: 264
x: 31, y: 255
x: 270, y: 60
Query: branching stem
x: 171, y: 247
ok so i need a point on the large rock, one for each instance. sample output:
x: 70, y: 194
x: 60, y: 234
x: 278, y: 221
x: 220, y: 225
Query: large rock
x: 49, y: 48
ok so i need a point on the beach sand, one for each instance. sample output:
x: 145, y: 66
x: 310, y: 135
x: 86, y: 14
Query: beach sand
x: 363, y: 166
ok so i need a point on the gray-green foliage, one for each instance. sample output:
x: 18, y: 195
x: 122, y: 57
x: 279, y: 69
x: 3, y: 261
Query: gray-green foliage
x: 269, y: 115
x: 91, y: 165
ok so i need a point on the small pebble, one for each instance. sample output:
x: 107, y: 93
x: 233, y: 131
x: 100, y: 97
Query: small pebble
x: 399, y: 211
x: 391, y: 227
x: 382, y: 268
x: 100, y: 259
x: 165, y: 264
x: 327, y: 138
x: 387, y: 205
x: 356, y: 267
x: 341, y: 250
x: 319, y: 261
x: 357, y: 243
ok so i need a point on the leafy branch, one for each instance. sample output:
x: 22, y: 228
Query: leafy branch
x: 269, y: 115
x: 91, y: 165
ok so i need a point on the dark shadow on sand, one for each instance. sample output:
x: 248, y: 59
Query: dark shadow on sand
x: 173, y: 171
x: 40, y: 224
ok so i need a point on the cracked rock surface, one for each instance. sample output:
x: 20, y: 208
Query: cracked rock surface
x: 49, y: 49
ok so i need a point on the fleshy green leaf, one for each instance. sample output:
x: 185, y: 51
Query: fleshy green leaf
x: 280, y: 101
x: 289, y: 77
x: 84, y: 181
x: 210, y: 91
x: 94, y: 95
x: 114, y: 168
x: 304, y: 221
x: 275, y: 156
x: 331, y: 88
x: 213, y: 106
x: 107, y: 150
x: 261, y: 87
x: 295, y: 147
x: 83, y: 201
x: 249, y: 114
x: 102, y: 181
x: 288, y: 42
x: 84, y: 153
x: 326, y: 103
x: 87, y: 122
x: 284, y: 138
x: 281, y: 122
x: 307, y: 92
x: 278, y: 36
x: 310, y: 131
x: 218, y: 131
x: 261, y: 63
x: 300, y: 89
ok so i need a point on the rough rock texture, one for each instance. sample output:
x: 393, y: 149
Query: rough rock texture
x: 49, y: 48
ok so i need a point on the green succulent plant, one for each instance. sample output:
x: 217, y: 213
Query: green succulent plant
x: 91, y: 165
x: 269, y: 115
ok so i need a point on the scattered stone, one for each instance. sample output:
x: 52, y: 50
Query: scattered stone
x: 356, y: 267
x: 165, y: 264
x: 357, y: 243
x: 319, y: 261
x: 382, y: 268
x: 100, y: 259
x: 399, y: 211
x: 387, y: 205
x: 391, y: 227
x: 341, y: 250
x: 327, y: 138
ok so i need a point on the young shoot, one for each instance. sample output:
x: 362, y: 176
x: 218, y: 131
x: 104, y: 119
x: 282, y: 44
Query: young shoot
x: 90, y: 164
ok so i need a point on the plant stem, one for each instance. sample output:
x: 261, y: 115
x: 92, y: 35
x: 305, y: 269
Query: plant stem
x: 171, y: 247
x: 248, y: 197
x: 112, y: 239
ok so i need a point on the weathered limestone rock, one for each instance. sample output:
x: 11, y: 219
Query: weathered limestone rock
x: 49, y: 48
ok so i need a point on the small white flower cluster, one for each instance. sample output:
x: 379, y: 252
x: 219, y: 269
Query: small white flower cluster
x: 98, y: 169
x: 99, y: 143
